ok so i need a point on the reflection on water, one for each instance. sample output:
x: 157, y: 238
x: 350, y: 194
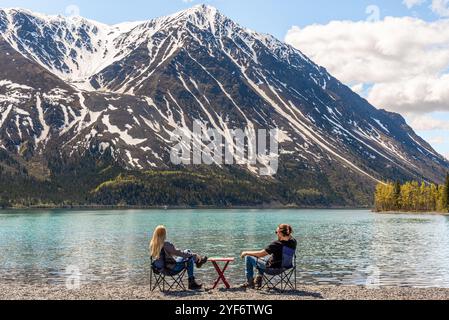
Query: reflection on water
x: 335, y: 247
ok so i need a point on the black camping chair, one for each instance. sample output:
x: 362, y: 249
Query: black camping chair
x: 281, y: 278
x: 165, y: 279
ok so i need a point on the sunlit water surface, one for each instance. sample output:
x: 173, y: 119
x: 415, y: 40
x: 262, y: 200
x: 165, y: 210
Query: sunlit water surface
x: 335, y: 246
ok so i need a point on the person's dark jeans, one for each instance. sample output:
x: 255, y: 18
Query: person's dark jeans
x: 180, y: 265
x: 252, y: 263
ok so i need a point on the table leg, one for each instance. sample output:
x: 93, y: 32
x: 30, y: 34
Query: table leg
x: 221, y: 275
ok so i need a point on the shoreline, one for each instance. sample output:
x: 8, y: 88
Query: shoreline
x: 14, y: 291
x: 200, y: 208
x: 171, y: 208
x: 418, y: 213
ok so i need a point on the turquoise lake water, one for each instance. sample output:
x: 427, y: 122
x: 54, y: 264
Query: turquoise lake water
x: 335, y: 246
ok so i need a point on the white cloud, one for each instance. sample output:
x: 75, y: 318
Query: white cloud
x: 412, y: 3
x: 440, y: 7
x: 418, y: 94
x: 428, y: 123
x: 437, y: 140
x: 358, y: 88
x: 405, y: 61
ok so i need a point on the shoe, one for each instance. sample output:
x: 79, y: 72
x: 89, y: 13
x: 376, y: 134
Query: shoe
x: 201, y: 262
x: 258, y: 282
x: 248, y: 285
x: 193, y: 285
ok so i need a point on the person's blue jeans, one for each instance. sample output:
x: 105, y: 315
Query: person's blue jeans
x: 180, y: 265
x: 252, y: 263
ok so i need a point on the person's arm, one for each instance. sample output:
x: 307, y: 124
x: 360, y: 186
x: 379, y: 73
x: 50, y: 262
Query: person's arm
x: 171, y: 250
x: 256, y: 254
x: 260, y: 254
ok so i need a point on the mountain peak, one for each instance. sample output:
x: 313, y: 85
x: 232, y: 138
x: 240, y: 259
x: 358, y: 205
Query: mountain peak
x: 204, y: 8
x: 46, y: 18
x: 202, y: 15
x: 27, y: 12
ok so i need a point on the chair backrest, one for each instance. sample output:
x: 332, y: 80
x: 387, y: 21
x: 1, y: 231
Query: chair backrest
x: 159, y: 264
x: 288, y: 256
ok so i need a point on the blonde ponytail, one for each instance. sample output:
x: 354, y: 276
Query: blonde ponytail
x: 158, y: 241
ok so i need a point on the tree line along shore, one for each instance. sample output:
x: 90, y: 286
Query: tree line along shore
x: 412, y: 196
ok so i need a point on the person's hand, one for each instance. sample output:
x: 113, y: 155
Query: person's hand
x: 243, y: 255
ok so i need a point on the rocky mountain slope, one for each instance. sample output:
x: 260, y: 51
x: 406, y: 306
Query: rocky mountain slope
x: 77, y: 94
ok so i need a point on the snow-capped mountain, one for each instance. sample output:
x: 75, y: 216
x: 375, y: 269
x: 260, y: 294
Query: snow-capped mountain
x: 72, y: 48
x: 71, y: 87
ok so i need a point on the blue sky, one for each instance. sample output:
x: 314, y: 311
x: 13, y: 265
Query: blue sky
x: 277, y: 17
x: 269, y: 16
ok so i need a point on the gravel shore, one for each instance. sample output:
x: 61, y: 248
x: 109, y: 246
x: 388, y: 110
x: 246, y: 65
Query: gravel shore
x: 12, y: 291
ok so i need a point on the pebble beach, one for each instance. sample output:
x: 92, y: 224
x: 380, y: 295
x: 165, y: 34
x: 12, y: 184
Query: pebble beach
x: 13, y: 291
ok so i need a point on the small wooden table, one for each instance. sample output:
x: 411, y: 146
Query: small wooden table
x: 220, y: 272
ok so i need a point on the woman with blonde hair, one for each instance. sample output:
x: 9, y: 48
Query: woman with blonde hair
x: 167, y: 257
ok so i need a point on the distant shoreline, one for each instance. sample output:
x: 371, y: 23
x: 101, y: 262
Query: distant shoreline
x: 102, y: 207
x: 413, y: 213
x: 172, y: 208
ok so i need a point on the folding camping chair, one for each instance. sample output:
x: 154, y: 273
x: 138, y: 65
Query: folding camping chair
x: 281, y: 278
x: 167, y: 279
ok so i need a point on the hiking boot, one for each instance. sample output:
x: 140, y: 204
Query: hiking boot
x: 193, y: 285
x: 258, y: 282
x: 201, y: 262
x: 248, y: 285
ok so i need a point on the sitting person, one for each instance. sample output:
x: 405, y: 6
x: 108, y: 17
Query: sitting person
x: 167, y: 257
x: 270, y: 257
